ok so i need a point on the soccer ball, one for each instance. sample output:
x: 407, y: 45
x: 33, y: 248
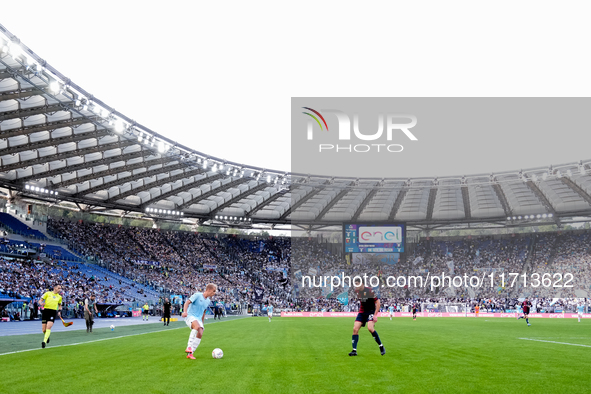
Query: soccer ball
x: 112, y: 327
x: 217, y: 353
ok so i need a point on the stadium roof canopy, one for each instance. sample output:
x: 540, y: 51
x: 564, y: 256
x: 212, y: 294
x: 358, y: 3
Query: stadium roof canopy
x: 59, y: 143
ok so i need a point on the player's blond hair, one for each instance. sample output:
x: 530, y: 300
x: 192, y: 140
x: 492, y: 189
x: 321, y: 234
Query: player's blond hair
x: 211, y: 286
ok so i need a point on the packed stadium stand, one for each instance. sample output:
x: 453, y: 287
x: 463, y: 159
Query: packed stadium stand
x: 17, y: 227
x: 146, y: 264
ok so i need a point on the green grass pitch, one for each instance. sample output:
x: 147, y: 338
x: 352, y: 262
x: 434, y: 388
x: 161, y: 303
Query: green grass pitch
x: 308, y: 355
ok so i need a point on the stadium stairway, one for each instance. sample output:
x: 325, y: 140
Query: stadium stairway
x: 181, y: 255
x: 554, y: 251
x: 112, y: 279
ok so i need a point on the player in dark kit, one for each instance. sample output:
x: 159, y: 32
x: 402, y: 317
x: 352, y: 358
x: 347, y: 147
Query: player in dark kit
x: 414, y: 311
x: 368, y: 313
x: 217, y: 311
x: 526, y: 306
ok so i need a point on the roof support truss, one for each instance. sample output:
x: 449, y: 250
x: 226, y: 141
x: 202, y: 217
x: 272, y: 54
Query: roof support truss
x: 68, y: 154
x: 56, y: 141
x: 239, y: 197
x: 212, y: 192
x: 295, y: 206
x: 81, y: 166
x: 264, y: 204
x: 183, y: 188
x: 157, y: 183
x: 332, y: 203
x: 44, y: 127
x: 129, y: 169
x: 111, y: 171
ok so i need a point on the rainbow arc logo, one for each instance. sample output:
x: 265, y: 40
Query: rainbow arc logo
x: 315, y: 118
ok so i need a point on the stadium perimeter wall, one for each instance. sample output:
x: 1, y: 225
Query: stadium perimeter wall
x: 436, y: 314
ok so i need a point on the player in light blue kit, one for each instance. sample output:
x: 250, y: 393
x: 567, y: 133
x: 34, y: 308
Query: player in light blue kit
x: 580, y: 310
x: 391, y: 311
x: 270, y: 312
x: 194, y: 313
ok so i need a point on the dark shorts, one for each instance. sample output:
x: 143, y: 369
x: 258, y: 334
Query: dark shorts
x: 364, y: 317
x: 145, y: 312
x: 526, y: 311
x: 48, y: 315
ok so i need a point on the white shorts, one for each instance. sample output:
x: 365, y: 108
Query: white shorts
x: 580, y: 314
x: 391, y: 314
x: 270, y: 314
x: 190, y: 319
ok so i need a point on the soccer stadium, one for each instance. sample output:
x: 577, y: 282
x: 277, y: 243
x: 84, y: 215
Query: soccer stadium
x: 476, y: 283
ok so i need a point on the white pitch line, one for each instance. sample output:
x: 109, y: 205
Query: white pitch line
x: 105, y: 339
x: 560, y: 343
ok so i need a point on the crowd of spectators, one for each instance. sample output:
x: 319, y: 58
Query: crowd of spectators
x: 558, y: 255
x: 174, y: 262
x: 183, y: 262
x: 28, y: 280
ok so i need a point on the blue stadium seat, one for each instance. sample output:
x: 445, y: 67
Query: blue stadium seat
x: 20, y: 228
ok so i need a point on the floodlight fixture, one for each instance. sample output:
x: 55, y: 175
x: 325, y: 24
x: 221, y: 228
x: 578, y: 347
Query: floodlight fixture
x: 119, y: 126
x: 54, y: 86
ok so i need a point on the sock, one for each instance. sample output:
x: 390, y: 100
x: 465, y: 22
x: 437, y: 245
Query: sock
x: 47, y: 332
x: 191, y: 338
x: 376, y: 337
x: 196, y: 342
x: 355, y: 340
x: 527, y: 320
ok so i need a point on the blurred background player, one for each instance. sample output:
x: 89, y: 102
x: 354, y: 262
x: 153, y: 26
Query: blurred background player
x: 270, y: 312
x: 391, y: 311
x: 580, y: 310
x: 217, y: 311
x: 476, y: 310
x: 51, y: 302
x: 89, y: 310
x: 368, y: 308
x: 194, y: 313
x: 166, y: 312
x: 519, y: 311
x: 414, y: 311
x: 525, y: 307
x: 145, y: 311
